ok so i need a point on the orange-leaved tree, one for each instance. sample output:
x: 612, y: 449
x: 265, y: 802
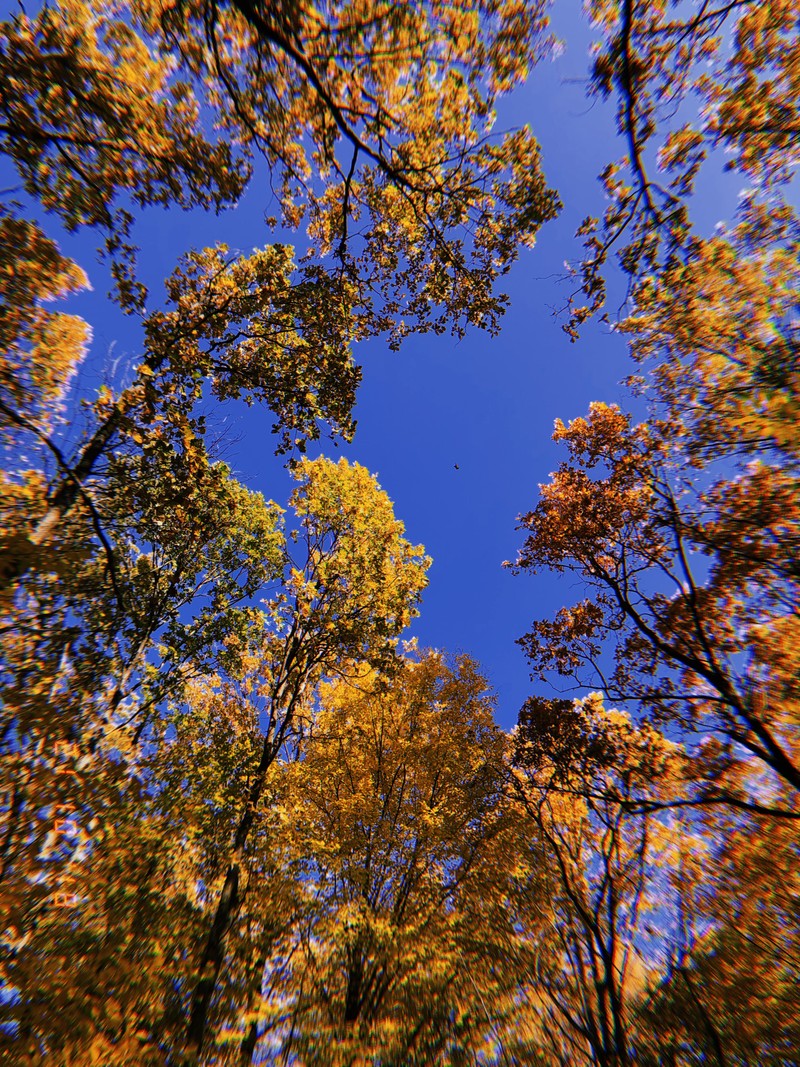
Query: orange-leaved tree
x: 690, y: 614
x: 729, y: 995
x: 581, y: 773
x: 129, y: 561
x: 109, y: 109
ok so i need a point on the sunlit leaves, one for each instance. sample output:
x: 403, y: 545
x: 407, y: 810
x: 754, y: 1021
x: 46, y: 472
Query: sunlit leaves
x: 720, y: 335
x: 662, y: 626
x: 391, y: 812
x: 40, y: 348
x: 693, y: 84
x: 91, y: 110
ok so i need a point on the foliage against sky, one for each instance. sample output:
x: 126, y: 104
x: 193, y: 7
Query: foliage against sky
x: 241, y: 821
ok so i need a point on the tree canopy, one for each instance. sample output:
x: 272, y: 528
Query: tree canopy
x: 244, y: 818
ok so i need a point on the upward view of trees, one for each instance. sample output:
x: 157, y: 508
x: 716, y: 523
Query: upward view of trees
x: 244, y: 819
x: 682, y: 530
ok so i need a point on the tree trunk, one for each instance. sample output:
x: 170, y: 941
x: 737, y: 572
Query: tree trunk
x: 228, y: 904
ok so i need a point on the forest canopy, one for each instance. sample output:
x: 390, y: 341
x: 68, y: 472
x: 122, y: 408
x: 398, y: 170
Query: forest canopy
x: 244, y: 817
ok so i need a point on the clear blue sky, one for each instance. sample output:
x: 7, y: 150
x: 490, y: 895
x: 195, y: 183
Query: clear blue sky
x: 486, y: 404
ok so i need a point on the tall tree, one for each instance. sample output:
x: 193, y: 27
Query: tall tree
x: 730, y: 996
x: 83, y: 680
x: 372, y: 114
x: 196, y: 793
x: 581, y: 773
x: 683, y: 529
x: 107, y: 548
x: 691, y: 613
x: 129, y: 563
x: 394, y: 816
x: 347, y: 599
x: 101, y: 115
x: 424, y: 211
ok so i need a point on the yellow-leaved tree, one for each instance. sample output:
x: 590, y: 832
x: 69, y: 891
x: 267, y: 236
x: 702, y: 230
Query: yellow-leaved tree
x: 373, y: 120
x: 395, y: 820
x: 189, y: 805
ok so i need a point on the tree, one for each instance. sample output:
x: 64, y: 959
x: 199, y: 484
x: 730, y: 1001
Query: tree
x: 706, y: 647
x: 691, y: 87
x: 719, y: 336
x: 144, y: 550
x: 237, y: 323
x: 436, y: 209
x: 101, y: 117
x: 40, y: 349
x: 364, y: 112
x: 391, y: 108
x: 346, y: 598
x: 355, y: 591
x: 129, y: 563
x: 683, y: 529
x: 87, y: 667
x: 96, y: 913
x: 731, y: 996
x: 581, y: 773
x: 394, y: 816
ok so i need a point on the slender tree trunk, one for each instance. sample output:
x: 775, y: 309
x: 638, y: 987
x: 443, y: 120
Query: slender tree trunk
x: 250, y: 1039
x: 228, y: 903
x: 710, y: 1028
x: 211, y: 962
x: 14, y: 809
x: 248, y: 1045
x: 227, y: 908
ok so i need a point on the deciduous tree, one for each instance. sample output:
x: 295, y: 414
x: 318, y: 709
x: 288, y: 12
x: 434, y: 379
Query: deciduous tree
x: 729, y: 994
x: 198, y: 783
x: 424, y: 213
x: 691, y: 613
x: 346, y: 600
x: 580, y: 774
x: 394, y: 814
x: 698, y: 89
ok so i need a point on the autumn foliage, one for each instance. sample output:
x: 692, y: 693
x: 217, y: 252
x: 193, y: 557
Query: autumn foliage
x: 243, y: 818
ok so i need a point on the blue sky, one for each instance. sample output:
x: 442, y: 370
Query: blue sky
x: 488, y: 403
x: 484, y: 404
